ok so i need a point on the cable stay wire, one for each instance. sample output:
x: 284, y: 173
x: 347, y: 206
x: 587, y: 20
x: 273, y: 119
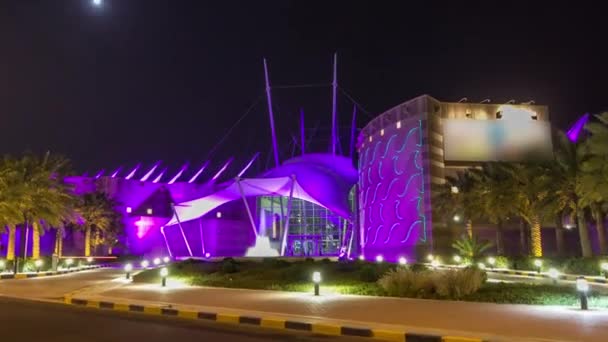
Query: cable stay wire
x: 314, y: 85
x: 365, y: 111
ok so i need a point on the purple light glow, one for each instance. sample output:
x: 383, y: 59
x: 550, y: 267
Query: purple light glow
x: 219, y: 173
x: 248, y: 164
x: 130, y: 175
x: 115, y: 173
x: 198, y: 173
x: 149, y: 174
x: 99, y: 174
x: 576, y: 129
x: 158, y: 178
x: 143, y: 226
x: 179, y: 174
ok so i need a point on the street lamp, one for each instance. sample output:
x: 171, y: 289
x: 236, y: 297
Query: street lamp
x: 128, y: 269
x: 402, y: 261
x: 38, y: 263
x: 604, y: 267
x: 97, y: 3
x: 207, y: 255
x: 316, y: 278
x: 457, y: 259
x: 90, y: 260
x: 582, y: 286
x: 166, y: 260
x: 553, y: 274
x: 361, y: 257
x: 538, y: 264
x: 145, y: 264
x: 164, y: 272
x: 430, y: 257
x: 491, y: 261
x: 69, y: 263
x: 481, y: 266
x: 435, y: 263
x: 156, y: 261
x: 379, y: 258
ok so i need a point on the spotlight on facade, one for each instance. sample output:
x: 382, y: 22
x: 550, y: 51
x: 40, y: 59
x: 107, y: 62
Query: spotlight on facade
x: 457, y: 259
x: 539, y: 265
x: 145, y: 264
x: 207, y: 255
x: 38, y: 263
x: 128, y: 270
x: 166, y: 260
x: 456, y: 218
x: 316, y: 279
x: 156, y: 261
x: 218, y: 214
x: 69, y: 262
x: 379, y: 258
x: 164, y: 272
x: 402, y: 261
x: 361, y: 257
x: 582, y: 286
x: 491, y: 261
x: 553, y: 274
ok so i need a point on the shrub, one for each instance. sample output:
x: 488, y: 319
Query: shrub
x: 502, y: 262
x: 368, y: 274
x: 418, y: 267
x: 229, y: 266
x: 470, y: 247
x: 403, y: 282
x: 585, y: 266
x: 458, y: 283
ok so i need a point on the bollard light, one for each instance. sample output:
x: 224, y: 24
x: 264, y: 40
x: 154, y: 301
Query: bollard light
x: 156, y: 261
x: 491, y: 261
x: 38, y: 263
x: 164, y: 272
x: 604, y: 267
x: 435, y: 263
x: 316, y: 279
x: 207, y: 255
x: 481, y: 266
x: 538, y: 264
x: 379, y: 258
x: 69, y: 263
x: 553, y: 274
x: 430, y: 257
x: 361, y: 257
x: 145, y: 264
x: 166, y: 260
x: 128, y: 269
x: 402, y: 261
x: 89, y: 260
x: 582, y: 286
x: 457, y: 259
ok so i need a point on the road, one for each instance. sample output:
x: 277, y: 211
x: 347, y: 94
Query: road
x: 43, y: 321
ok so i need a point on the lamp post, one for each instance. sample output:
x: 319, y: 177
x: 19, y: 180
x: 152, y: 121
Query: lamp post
x: 145, y: 264
x: 164, y: 272
x: 491, y: 262
x: 128, y: 269
x: 166, y: 260
x: 69, y: 263
x: 582, y: 286
x: 156, y: 261
x: 538, y: 264
x: 38, y: 263
x: 379, y: 258
x: 553, y: 274
x: 316, y: 279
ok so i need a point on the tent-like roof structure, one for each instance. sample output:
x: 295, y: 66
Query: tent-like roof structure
x: 323, y: 179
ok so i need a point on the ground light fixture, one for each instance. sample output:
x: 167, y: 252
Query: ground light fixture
x: 207, y: 255
x: 481, y: 266
x: 379, y: 258
x: 491, y: 261
x: 538, y: 264
x: 69, y: 263
x: 582, y: 286
x: 128, y: 270
x: 435, y: 263
x: 316, y: 279
x: 553, y: 274
x: 603, y: 266
x: 402, y: 261
x: 457, y: 259
x: 166, y: 260
x: 145, y: 264
x: 164, y: 272
x: 430, y: 257
x: 156, y: 261
x: 38, y: 263
x: 361, y: 257
x: 89, y: 260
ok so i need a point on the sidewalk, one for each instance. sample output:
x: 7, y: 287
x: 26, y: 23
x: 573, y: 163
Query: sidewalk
x: 493, y: 322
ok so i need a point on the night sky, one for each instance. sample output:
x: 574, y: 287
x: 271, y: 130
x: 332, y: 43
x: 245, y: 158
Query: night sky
x: 141, y: 81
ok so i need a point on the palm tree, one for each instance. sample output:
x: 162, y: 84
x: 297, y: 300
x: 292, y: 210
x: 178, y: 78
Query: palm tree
x: 459, y: 194
x: 9, y: 197
x: 97, y: 212
x: 470, y: 248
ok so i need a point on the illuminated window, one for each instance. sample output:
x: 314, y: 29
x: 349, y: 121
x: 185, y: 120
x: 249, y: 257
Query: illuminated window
x: 455, y: 190
x: 370, y: 138
x: 129, y: 210
x: 218, y: 214
x: 382, y: 132
x: 149, y: 211
x: 398, y: 124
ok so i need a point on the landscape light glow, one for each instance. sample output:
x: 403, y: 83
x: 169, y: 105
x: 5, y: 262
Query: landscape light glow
x: 156, y: 261
x: 316, y: 277
x: 481, y: 266
x: 402, y: 261
x: 179, y: 174
x: 149, y: 174
x: 145, y: 264
x: 492, y: 261
x: 379, y: 258
x: 457, y: 258
x: 430, y: 257
x: 582, y: 286
x: 198, y: 173
x: 553, y: 274
x: 90, y: 259
x: 361, y: 257
x: 166, y: 260
x: 130, y: 175
x: 435, y: 263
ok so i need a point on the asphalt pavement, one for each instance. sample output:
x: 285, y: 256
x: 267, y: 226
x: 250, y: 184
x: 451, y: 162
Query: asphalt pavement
x: 43, y: 321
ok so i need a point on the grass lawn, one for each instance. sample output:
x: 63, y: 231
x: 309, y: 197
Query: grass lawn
x: 345, y: 278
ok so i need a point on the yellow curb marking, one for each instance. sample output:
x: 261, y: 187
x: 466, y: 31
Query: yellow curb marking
x: 388, y: 335
x: 274, y: 323
x: 326, y: 329
x: 92, y: 304
x: 20, y: 276
x: 151, y: 310
x: 121, y: 307
x: 459, y: 339
x: 227, y: 318
x: 187, y: 314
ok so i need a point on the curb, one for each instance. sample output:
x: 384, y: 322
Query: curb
x: 45, y: 274
x: 271, y: 322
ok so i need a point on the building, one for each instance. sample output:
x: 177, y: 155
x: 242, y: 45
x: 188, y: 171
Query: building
x: 406, y: 152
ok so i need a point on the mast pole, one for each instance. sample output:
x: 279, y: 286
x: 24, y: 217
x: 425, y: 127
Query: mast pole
x: 334, y: 105
x: 275, y: 147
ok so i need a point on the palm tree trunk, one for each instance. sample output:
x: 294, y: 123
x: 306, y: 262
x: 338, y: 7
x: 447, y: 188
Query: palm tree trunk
x: 35, y: 240
x: 469, y: 228
x: 559, y: 235
x: 10, y: 250
x: 59, y: 242
x: 500, y: 246
x: 583, y: 234
x: 523, y: 246
x: 535, y: 235
x: 87, y: 241
x: 601, y: 233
